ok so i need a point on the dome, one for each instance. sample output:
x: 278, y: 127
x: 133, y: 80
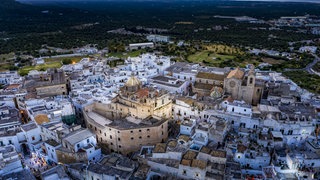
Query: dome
x: 216, y: 92
x: 133, y: 81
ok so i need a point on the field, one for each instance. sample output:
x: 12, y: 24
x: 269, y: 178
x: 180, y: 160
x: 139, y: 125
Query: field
x: 220, y: 55
x: 209, y: 58
x: 271, y: 61
x: 49, y: 63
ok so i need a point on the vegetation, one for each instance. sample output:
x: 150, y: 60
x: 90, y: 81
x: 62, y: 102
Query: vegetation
x: 316, y: 67
x: 66, y: 61
x: 300, y: 62
x: 50, y: 63
x: 124, y: 55
x: 25, y: 28
x: 305, y: 80
x: 25, y: 70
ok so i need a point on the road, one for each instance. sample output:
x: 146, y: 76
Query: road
x: 308, y: 68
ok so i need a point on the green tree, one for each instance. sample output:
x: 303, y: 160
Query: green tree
x: 66, y: 61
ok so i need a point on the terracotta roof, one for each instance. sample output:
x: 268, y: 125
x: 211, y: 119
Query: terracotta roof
x: 218, y: 153
x: 160, y: 148
x: 172, y: 144
x: 205, y: 75
x: 241, y: 148
x: 13, y: 86
x: 229, y: 99
x: 198, y: 85
x: 142, y: 93
x: 41, y: 118
x: 184, y: 137
x: 199, y: 163
x: 186, y: 100
x: 190, y: 155
x: 236, y: 73
x: 186, y: 162
x: 205, y: 149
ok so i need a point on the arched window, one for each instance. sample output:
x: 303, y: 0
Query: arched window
x: 251, y: 80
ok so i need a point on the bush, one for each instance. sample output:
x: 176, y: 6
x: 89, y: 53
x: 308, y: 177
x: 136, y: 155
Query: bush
x: 66, y: 61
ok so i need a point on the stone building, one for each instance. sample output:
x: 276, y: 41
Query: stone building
x: 244, y: 86
x: 137, y: 117
x: 141, y: 102
x: 50, y: 83
x: 125, y: 135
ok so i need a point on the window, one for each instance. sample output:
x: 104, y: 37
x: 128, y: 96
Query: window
x: 110, y: 137
x: 119, y: 146
x: 140, y: 137
x: 87, y: 140
x: 105, y: 134
x: 131, y: 131
x: 111, y: 143
x: 33, y: 138
x: 78, y: 145
x: 148, y: 129
x: 148, y: 136
x: 10, y: 142
x: 184, y: 172
x: 132, y: 138
x: 139, y: 130
x: 118, y: 139
x: 251, y: 80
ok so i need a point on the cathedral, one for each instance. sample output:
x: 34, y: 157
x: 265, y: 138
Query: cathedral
x: 243, y: 86
x: 142, y: 102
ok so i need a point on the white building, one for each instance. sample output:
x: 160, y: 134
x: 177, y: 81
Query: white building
x: 9, y: 160
x: 170, y: 84
x: 141, y: 46
x: 32, y: 135
x: 158, y: 38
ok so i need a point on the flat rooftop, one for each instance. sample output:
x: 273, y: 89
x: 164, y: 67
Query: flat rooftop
x: 124, y: 123
x: 78, y: 136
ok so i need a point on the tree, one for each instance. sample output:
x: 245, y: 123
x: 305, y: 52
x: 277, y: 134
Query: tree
x: 66, y: 61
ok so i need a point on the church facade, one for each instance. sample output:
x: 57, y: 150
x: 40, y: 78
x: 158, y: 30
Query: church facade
x: 242, y: 86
